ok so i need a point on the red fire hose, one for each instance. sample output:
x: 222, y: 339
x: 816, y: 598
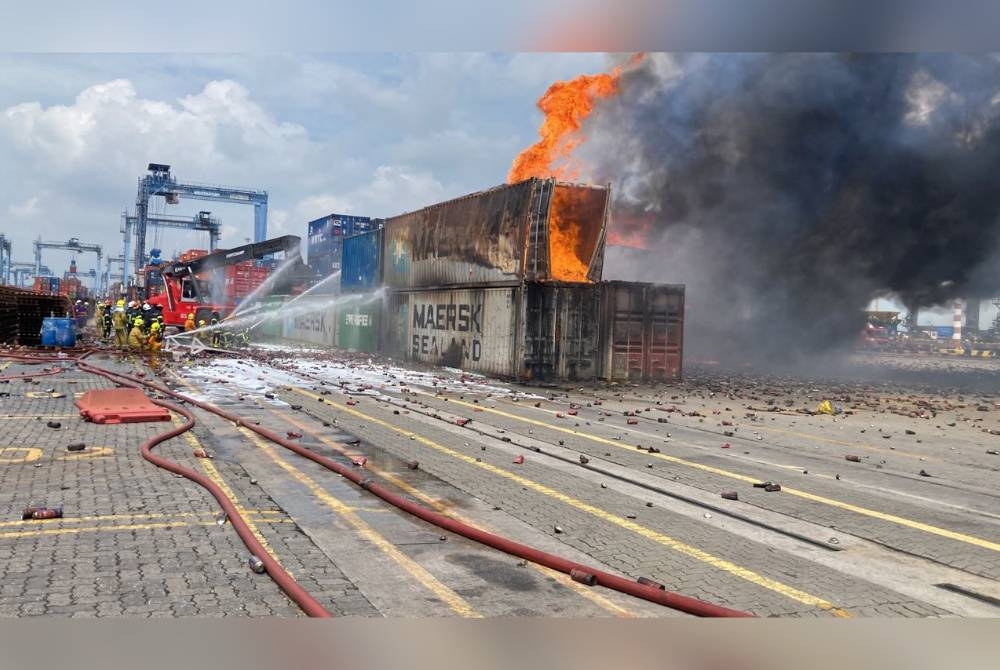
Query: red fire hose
x: 284, y: 581
x: 577, y: 571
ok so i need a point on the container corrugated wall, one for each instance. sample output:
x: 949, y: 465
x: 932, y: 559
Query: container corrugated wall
x: 642, y: 331
x: 534, y: 230
x: 358, y: 327
x: 319, y: 327
x: 471, y: 328
x: 361, y: 268
x: 326, y: 238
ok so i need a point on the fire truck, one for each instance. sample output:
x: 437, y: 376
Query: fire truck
x: 217, y: 282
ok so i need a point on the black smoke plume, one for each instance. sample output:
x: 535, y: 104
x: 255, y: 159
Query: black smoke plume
x: 787, y: 191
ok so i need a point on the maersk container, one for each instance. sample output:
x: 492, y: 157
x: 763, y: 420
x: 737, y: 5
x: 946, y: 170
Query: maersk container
x: 361, y: 267
x: 319, y: 327
x: 358, y: 326
x: 535, y: 230
x: 529, y: 331
x: 617, y: 331
x: 642, y: 334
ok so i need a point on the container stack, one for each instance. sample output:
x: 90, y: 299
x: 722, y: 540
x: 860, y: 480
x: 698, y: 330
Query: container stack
x: 242, y: 278
x: 506, y: 282
x: 326, y: 240
x: 22, y: 313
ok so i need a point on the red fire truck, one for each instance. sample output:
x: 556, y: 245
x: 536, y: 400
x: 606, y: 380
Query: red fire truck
x: 217, y: 282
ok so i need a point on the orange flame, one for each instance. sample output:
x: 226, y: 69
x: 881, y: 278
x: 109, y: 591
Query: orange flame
x: 566, y: 104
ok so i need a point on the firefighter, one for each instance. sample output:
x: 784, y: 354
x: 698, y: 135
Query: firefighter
x: 217, y: 333
x: 155, y: 341
x: 119, y: 320
x: 148, y: 316
x: 136, y: 338
x: 189, y: 323
x: 106, y: 322
x: 202, y: 335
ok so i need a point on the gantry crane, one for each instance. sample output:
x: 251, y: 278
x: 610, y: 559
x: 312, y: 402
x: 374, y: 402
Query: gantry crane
x: 160, y: 182
x: 73, y: 244
x: 201, y: 221
x: 22, y: 270
x: 108, y: 275
x: 4, y: 259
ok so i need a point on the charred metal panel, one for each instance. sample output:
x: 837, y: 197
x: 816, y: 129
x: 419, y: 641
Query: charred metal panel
x: 502, y: 235
x: 642, y: 331
x: 577, y: 222
x: 561, y: 333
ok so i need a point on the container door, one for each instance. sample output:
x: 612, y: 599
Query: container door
x: 665, y: 333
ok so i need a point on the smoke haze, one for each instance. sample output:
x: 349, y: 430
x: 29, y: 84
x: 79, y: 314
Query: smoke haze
x: 787, y: 191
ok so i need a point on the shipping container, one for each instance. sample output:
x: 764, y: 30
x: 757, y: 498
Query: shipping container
x: 270, y: 328
x: 642, y: 331
x: 362, y: 262
x: 319, y: 327
x: 617, y: 331
x: 358, y: 326
x: 530, y: 331
x: 535, y: 230
x: 326, y: 237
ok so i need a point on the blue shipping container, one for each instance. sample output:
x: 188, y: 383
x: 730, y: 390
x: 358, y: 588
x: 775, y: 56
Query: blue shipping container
x: 326, y: 234
x: 362, y: 262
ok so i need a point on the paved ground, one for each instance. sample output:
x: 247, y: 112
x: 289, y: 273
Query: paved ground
x: 841, y: 538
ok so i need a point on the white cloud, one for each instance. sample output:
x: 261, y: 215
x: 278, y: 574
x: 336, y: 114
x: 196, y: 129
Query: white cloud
x: 391, y: 190
x: 25, y: 208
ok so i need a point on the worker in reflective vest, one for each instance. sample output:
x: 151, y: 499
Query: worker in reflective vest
x: 155, y: 341
x: 189, y: 323
x: 136, y: 338
x: 119, y: 320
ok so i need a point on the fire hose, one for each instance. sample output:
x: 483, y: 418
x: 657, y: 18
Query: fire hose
x: 577, y: 571
x: 581, y: 573
x: 285, y: 582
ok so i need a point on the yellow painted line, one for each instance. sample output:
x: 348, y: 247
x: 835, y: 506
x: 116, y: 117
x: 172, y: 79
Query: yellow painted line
x: 875, y: 514
x: 114, y: 529
x: 29, y: 454
x: 648, y: 533
x: 135, y: 517
x: 454, y: 601
x: 894, y: 452
x: 436, y: 504
x: 212, y: 473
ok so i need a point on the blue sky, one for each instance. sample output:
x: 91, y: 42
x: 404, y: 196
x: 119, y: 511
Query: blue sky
x: 373, y: 134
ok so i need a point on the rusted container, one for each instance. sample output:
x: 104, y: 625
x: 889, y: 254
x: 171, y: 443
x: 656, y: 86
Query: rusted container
x: 538, y: 230
x: 642, y: 331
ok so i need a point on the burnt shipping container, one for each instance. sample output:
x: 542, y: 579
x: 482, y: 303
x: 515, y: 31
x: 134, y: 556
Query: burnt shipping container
x: 642, y: 331
x: 361, y: 266
x: 541, y: 331
x: 537, y: 230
